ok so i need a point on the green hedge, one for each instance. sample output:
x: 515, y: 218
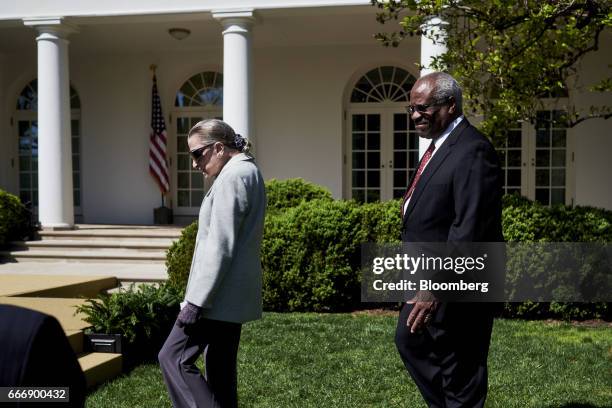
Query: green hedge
x: 283, y: 194
x: 311, y: 248
x: 14, y: 218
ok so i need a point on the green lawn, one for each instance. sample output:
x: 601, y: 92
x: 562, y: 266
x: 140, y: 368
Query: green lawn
x: 344, y: 360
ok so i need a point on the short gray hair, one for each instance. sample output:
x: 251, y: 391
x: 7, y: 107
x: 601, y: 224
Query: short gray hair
x: 216, y: 130
x: 445, y: 86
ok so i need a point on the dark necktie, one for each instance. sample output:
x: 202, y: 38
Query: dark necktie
x: 415, y: 180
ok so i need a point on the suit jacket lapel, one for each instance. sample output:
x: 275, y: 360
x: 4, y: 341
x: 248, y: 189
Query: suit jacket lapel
x: 433, y: 165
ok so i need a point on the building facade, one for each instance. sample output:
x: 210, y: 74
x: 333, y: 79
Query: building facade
x: 306, y: 81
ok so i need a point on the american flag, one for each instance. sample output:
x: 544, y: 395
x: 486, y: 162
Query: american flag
x: 158, y: 163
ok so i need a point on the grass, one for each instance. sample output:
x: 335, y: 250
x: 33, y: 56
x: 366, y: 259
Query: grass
x: 345, y: 360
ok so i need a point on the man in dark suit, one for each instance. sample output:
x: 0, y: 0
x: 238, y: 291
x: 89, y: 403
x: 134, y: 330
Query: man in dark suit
x: 455, y: 196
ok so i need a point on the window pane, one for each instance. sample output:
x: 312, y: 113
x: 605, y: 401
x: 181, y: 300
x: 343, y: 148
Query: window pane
x: 400, y: 178
x: 34, y: 163
x: 197, y: 180
x: 558, y: 138
x: 514, y: 138
x: 25, y: 196
x: 400, y: 160
x: 398, y: 193
x: 558, y: 158
x: 514, y: 178
x: 373, y: 141
x: 514, y: 158
x: 413, y: 141
x: 400, y: 141
x: 358, y: 141
x: 358, y: 178
x: 35, y: 198
x: 25, y: 181
x: 542, y: 158
x: 196, y: 198
x: 184, y: 162
x: 25, y: 145
x: 76, y: 180
x: 542, y: 178
x: 557, y: 196
x: 542, y: 195
x: 193, y: 122
x: 76, y: 145
x: 358, y: 160
x: 542, y: 138
x: 24, y: 128
x: 372, y: 195
x: 558, y: 178
x: 183, y: 180
x: 502, y: 157
x: 373, y: 123
x: 181, y: 144
x: 359, y: 195
x: 183, y: 198
x: 373, y: 160
x: 76, y: 163
x: 196, y: 81
x: 400, y: 121
x: 24, y: 163
x: 74, y: 127
x: 359, y: 123
x: 182, y: 125
x: 514, y: 191
x: 414, y: 159
x: 35, y: 181
x: 76, y: 196
x: 373, y: 178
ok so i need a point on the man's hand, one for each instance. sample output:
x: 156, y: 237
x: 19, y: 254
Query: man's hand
x: 425, y: 305
x: 189, y: 315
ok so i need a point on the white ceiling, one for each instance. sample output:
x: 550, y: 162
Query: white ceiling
x: 129, y: 34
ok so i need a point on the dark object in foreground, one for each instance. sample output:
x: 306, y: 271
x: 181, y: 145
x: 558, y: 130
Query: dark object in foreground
x: 34, y: 352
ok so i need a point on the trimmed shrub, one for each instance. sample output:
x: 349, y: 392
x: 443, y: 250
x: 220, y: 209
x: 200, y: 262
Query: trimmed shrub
x: 14, y: 218
x: 310, y: 255
x: 143, y: 315
x: 178, y: 257
x: 283, y: 194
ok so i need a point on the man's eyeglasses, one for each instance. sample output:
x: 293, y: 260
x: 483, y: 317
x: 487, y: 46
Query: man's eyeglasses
x: 199, y: 152
x: 422, y: 108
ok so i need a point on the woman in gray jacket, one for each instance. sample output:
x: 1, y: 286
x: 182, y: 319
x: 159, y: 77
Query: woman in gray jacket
x: 224, y: 287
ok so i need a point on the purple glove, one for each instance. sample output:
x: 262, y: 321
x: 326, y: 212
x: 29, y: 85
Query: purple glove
x: 189, y: 315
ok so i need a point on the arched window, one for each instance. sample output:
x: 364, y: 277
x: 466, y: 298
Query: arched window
x: 27, y: 138
x: 382, y: 148
x: 382, y: 84
x: 200, y: 97
x: 203, y: 89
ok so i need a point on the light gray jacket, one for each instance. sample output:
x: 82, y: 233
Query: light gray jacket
x: 225, y: 277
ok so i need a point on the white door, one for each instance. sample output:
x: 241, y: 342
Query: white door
x: 382, y: 153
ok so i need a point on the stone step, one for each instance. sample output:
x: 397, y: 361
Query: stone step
x: 115, y: 233
x: 58, y: 286
x: 130, y: 272
x: 100, y: 367
x: 99, y: 255
x: 61, y: 308
x: 93, y: 245
x: 76, y: 339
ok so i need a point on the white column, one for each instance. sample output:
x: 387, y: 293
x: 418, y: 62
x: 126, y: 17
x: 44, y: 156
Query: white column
x: 55, y: 200
x: 237, y: 86
x: 433, y: 44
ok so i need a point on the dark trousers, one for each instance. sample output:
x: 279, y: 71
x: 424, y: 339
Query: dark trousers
x: 448, y: 359
x: 186, y: 384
